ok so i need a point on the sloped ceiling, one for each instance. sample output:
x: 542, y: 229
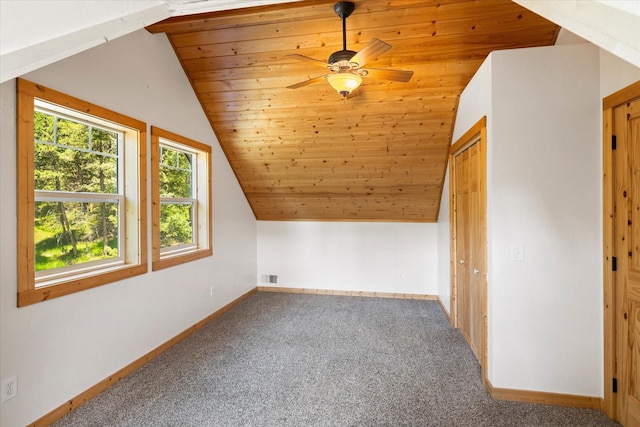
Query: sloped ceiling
x: 307, y: 154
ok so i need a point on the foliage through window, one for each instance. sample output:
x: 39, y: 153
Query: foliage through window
x: 81, y: 208
x: 77, y: 199
x: 181, y: 198
x: 177, y: 201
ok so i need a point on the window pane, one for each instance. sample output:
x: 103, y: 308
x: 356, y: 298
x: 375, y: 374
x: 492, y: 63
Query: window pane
x: 72, y: 133
x: 43, y: 127
x: 168, y: 157
x: 68, y: 233
x: 104, y: 141
x: 176, y: 224
x: 184, y: 160
x: 175, y: 183
x: 66, y: 169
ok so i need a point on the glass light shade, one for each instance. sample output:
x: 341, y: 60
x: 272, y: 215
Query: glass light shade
x: 344, y: 83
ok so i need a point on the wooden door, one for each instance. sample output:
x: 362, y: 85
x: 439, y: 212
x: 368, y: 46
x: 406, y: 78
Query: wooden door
x: 469, y: 238
x: 626, y: 157
x: 467, y: 223
x: 461, y: 179
x: 476, y: 245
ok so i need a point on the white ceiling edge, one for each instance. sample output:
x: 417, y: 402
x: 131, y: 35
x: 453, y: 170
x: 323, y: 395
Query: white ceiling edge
x: 190, y: 7
x: 87, y: 28
x: 49, y: 50
x: 611, y: 25
x: 567, y: 37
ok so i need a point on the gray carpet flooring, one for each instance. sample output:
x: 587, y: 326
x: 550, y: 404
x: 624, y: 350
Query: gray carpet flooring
x: 281, y: 359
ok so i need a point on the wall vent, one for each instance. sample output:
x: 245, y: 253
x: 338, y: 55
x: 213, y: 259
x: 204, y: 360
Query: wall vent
x: 269, y: 278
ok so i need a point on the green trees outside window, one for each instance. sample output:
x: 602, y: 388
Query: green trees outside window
x: 81, y: 199
x: 177, y: 202
x: 77, y: 199
x: 180, y: 199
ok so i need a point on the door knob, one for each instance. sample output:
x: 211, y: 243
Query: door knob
x: 461, y: 261
x: 476, y: 271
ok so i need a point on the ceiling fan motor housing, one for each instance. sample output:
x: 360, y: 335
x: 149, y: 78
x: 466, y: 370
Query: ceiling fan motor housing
x: 344, y: 8
x: 341, y: 55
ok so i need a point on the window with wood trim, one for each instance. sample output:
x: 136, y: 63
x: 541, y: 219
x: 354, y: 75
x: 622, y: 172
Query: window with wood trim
x: 81, y: 194
x: 181, y: 199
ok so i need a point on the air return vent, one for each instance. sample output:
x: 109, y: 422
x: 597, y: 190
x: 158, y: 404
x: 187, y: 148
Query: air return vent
x: 269, y: 278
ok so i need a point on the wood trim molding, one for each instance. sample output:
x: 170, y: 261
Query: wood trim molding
x: 98, y: 388
x: 443, y: 308
x: 468, y: 138
x: 622, y: 96
x: 546, y: 398
x: 202, y: 158
x: 347, y: 293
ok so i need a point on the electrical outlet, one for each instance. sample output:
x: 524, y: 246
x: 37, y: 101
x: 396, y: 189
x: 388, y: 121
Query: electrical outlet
x: 9, y: 388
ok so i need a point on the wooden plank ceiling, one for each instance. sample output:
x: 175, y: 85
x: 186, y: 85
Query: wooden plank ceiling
x: 307, y: 154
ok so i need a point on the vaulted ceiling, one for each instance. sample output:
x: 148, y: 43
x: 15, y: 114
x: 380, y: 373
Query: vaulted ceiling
x: 306, y: 153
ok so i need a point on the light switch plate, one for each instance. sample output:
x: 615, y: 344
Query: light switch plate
x: 517, y: 252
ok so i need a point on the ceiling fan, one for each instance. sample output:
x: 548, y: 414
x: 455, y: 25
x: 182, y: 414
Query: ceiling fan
x: 345, y: 66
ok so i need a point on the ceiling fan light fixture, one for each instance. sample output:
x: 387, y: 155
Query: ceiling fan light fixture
x: 344, y: 83
x: 346, y: 66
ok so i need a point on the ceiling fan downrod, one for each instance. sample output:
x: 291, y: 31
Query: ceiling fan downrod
x: 343, y: 9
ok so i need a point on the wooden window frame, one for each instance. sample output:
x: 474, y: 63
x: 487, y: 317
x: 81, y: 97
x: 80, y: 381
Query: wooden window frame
x: 135, y: 237
x: 203, y: 245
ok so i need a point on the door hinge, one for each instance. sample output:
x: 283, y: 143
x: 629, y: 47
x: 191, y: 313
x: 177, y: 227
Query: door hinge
x: 614, y: 385
x: 613, y: 142
x: 614, y: 264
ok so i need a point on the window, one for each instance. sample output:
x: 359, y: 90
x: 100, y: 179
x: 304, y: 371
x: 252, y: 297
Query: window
x: 181, y: 196
x: 81, y: 199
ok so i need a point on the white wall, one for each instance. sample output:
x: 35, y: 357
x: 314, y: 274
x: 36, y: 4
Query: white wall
x: 350, y: 256
x: 475, y: 103
x: 544, y: 114
x: 444, y: 247
x: 615, y: 74
x: 545, y: 188
x: 62, y: 347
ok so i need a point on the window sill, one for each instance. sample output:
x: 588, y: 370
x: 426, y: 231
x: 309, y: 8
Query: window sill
x: 71, y: 284
x: 184, y: 257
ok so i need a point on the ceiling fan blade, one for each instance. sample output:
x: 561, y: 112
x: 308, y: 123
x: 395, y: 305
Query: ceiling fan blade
x: 393, y: 75
x: 310, y: 60
x: 307, y: 82
x: 371, y: 50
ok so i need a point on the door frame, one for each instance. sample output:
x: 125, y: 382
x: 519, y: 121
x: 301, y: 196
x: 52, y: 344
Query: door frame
x: 476, y: 134
x: 610, y: 401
